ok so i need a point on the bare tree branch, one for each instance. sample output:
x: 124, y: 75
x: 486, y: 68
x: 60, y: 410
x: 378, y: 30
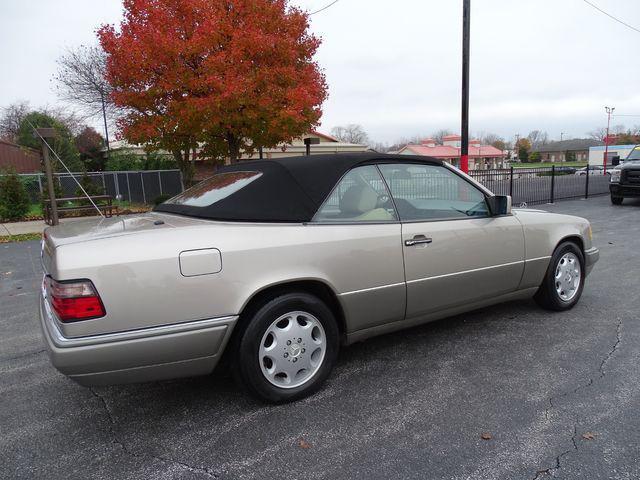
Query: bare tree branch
x: 81, y: 80
x: 351, y: 133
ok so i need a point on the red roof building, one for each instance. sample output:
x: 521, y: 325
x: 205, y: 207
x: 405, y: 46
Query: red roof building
x: 481, y: 157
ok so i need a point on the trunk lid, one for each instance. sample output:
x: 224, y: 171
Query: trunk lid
x: 98, y: 228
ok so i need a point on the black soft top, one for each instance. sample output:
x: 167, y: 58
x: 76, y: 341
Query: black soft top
x: 290, y: 189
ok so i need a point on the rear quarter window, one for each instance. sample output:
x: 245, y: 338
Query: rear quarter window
x: 214, y: 189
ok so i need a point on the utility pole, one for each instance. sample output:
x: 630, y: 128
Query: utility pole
x: 50, y: 133
x: 466, y: 45
x: 106, y: 130
x: 562, y: 134
x: 609, y: 111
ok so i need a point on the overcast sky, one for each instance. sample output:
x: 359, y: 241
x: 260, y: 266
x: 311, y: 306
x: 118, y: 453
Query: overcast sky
x: 394, y: 66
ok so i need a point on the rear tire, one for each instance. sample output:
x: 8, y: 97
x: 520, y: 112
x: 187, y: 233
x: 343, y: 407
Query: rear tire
x: 287, y: 349
x: 616, y: 200
x: 564, y: 280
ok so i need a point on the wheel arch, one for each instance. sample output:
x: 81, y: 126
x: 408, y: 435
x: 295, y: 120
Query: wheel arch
x: 573, y: 238
x: 313, y: 286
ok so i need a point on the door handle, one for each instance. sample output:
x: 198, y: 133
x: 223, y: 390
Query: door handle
x: 417, y: 240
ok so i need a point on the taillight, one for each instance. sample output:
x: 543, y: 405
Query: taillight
x: 74, y: 300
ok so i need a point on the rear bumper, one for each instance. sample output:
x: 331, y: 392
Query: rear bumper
x: 621, y: 190
x: 157, y: 353
x: 591, y: 256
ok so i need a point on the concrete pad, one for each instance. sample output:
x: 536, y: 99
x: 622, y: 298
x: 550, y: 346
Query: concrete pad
x: 32, y: 226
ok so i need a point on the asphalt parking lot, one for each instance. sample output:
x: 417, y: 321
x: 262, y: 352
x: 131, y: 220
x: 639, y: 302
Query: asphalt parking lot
x: 557, y: 393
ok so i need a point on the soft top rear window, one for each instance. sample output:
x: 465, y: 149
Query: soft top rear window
x: 214, y: 189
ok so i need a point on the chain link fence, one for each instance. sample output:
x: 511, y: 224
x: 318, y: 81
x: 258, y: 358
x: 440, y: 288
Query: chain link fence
x: 142, y: 187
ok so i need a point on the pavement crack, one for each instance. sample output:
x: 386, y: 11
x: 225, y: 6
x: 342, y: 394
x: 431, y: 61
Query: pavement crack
x: 24, y: 355
x: 141, y: 455
x: 613, y: 349
x: 558, y: 462
x: 601, y: 369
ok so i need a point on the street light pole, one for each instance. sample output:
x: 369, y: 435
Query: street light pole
x: 609, y: 111
x: 466, y: 44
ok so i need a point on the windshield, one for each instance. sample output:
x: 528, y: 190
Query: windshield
x: 634, y: 154
x: 214, y: 189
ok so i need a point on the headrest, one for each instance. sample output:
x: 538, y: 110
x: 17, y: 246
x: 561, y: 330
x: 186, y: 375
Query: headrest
x: 358, y: 199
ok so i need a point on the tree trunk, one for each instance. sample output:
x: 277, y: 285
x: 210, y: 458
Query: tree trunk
x: 185, y: 166
x: 234, y: 148
x: 106, y: 130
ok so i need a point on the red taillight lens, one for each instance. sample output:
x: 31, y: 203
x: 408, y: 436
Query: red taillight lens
x: 75, y: 300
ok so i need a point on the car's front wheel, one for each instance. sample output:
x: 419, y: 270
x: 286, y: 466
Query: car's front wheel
x: 287, y: 349
x: 616, y: 200
x: 564, y: 280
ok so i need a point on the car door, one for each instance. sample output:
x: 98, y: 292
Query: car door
x: 455, y: 252
x: 356, y: 235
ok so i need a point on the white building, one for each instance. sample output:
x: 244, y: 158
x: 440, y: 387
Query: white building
x: 596, y: 154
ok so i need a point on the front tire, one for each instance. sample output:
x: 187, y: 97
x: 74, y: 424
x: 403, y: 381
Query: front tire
x: 287, y: 349
x: 564, y: 280
x: 616, y: 200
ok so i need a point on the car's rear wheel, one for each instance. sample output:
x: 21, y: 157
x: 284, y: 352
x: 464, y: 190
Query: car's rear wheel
x: 616, y: 200
x: 287, y: 349
x: 564, y: 280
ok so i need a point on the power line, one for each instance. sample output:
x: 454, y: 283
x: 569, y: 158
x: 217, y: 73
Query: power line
x: 611, y: 16
x: 325, y: 7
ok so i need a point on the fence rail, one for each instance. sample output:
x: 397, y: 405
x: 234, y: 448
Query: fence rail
x: 131, y: 186
x: 543, y: 185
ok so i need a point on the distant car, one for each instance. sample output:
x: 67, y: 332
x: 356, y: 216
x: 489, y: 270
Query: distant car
x: 566, y: 170
x: 593, y: 170
x: 276, y: 263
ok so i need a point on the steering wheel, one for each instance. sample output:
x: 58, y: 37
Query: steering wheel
x: 383, y: 200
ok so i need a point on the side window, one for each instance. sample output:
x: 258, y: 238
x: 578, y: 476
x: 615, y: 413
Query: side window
x: 431, y: 192
x: 360, y: 196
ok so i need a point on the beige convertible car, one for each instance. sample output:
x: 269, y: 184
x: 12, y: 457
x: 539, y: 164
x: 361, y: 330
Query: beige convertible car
x: 277, y: 263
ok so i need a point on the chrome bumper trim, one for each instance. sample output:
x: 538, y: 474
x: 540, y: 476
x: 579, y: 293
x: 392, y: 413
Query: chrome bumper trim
x: 59, y: 340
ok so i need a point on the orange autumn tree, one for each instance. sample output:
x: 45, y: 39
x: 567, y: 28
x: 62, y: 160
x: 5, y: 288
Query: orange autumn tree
x: 219, y: 76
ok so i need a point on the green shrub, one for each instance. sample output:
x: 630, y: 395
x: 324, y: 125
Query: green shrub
x: 14, y: 200
x: 129, y: 161
x: 155, y: 161
x: 123, y: 161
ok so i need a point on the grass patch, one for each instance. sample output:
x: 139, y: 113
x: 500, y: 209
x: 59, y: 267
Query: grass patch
x: 21, y: 237
x: 35, y: 210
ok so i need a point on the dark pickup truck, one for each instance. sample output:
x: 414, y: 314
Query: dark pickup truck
x: 625, y: 178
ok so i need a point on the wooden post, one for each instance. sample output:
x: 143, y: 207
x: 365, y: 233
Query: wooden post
x: 50, y: 133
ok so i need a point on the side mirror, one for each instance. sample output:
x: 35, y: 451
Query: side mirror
x: 615, y: 161
x: 499, y: 205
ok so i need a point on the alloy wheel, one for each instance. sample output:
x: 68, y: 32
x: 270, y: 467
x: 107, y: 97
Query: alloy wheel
x: 292, y: 349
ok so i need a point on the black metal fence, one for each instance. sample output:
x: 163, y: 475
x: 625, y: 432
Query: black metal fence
x: 131, y: 186
x: 544, y: 185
